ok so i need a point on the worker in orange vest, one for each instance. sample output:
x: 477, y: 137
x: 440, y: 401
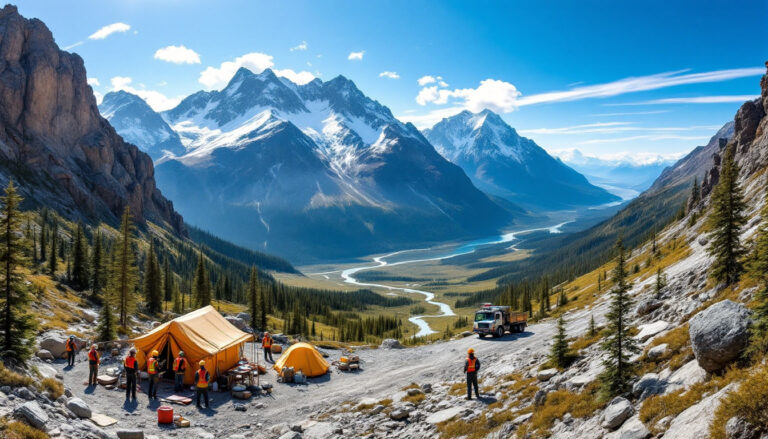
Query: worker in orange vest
x: 202, y: 378
x: 93, y: 365
x: 180, y: 368
x: 471, y: 366
x: 266, y: 343
x: 131, y: 365
x: 71, y: 348
x: 153, y: 370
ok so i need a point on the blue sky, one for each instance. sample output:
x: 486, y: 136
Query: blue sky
x: 558, y: 71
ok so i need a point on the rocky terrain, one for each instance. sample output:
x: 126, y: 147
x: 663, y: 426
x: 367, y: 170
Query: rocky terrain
x: 54, y: 142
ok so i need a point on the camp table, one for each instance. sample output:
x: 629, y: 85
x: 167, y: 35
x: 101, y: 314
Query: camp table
x: 241, y: 374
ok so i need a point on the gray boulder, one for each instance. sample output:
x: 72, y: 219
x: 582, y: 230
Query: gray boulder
x: 45, y: 354
x: 546, y: 374
x: 244, y: 316
x: 398, y: 414
x: 414, y: 392
x: 634, y: 429
x: 648, y: 306
x: 23, y: 392
x: 390, y: 343
x: 79, y: 407
x: 618, y: 411
x: 657, y: 352
x: 738, y: 428
x: 291, y: 435
x: 648, y: 385
x: 719, y: 334
x: 237, y: 322
x: 33, y: 414
x: 130, y: 434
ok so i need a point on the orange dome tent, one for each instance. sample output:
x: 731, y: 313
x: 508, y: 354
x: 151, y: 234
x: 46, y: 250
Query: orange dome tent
x: 303, y: 357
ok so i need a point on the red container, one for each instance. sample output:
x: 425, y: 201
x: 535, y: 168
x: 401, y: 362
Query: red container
x: 165, y: 414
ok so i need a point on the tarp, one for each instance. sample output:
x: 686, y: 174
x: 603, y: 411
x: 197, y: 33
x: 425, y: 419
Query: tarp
x: 303, y: 357
x: 203, y: 334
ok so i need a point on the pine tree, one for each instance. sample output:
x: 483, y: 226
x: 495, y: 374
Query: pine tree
x: 16, y: 323
x: 313, y: 328
x: 254, y: 296
x: 562, y: 299
x: 98, y: 269
x: 758, y: 269
x: 599, y: 282
x: 106, y: 328
x: 153, y: 294
x: 726, y: 220
x: 43, y: 235
x: 558, y: 355
x: 695, y: 197
x: 79, y: 259
x: 124, y: 273
x: 54, y: 261
x: 618, y: 345
x: 592, y: 327
x: 177, y: 300
x: 202, y: 285
x: 661, y: 282
x: 262, y: 309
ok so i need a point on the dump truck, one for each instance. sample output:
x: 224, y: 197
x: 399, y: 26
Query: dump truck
x: 496, y: 320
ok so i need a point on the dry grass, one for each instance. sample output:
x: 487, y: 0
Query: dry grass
x: 20, y: 430
x: 678, y: 353
x: 750, y: 402
x: 14, y: 379
x: 410, y: 386
x: 54, y: 387
x: 580, y: 343
x: 416, y: 399
x: 457, y: 389
x: 557, y: 404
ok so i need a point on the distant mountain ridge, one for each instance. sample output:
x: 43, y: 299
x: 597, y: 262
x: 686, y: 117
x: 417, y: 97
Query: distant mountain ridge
x: 503, y: 163
x: 316, y: 171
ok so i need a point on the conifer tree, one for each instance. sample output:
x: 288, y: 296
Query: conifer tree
x: 106, y: 328
x: 695, y: 197
x: 124, y: 273
x: 562, y: 299
x: 558, y: 355
x: 618, y: 345
x: 254, y: 302
x: 54, y: 260
x: 43, y: 235
x: 16, y: 323
x: 167, y: 282
x: 543, y: 303
x: 98, y: 269
x: 79, y: 259
x: 661, y: 282
x: 313, y: 328
x: 153, y: 295
x: 177, y: 300
x: 262, y: 309
x: 202, y: 285
x: 726, y: 220
x: 758, y: 269
x: 592, y: 327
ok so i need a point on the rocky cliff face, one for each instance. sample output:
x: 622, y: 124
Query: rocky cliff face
x: 53, y: 141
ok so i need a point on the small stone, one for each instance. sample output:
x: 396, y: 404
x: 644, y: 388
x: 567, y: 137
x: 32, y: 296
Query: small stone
x: 618, y: 411
x: 45, y: 354
x: 25, y: 393
x: 414, y: 392
x: 540, y: 397
x: 296, y: 428
x: 427, y: 388
x: 378, y: 408
x: 657, y: 352
x: 130, y: 434
x: 522, y: 418
x: 546, y: 374
x: 399, y: 414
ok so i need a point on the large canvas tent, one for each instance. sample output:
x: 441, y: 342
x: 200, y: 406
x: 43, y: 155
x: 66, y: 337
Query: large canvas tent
x: 203, y: 334
x: 303, y: 357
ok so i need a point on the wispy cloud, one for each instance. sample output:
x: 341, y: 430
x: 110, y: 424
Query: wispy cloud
x: 72, y: 46
x: 108, y: 30
x: 158, y: 101
x: 177, y: 55
x: 652, y: 137
x: 388, y: 74
x: 630, y: 113
x: 301, y: 46
x: 614, y: 127
x: 428, y: 120
x: 300, y: 78
x: 356, y: 56
x: 693, y: 100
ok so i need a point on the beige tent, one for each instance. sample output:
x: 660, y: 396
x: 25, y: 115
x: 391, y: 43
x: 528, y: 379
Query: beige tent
x: 202, y: 335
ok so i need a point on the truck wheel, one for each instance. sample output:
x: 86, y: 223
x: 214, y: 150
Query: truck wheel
x: 481, y: 335
x: 499, y: 332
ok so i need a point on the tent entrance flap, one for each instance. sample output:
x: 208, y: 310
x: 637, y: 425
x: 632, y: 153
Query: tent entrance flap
x: 166, y: 361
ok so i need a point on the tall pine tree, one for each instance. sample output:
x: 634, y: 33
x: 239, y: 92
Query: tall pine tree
x: 254, y: 296
x: 124, y: 273
x: 16, y: 323
x: 54, y: 260
x: 98, y: 269
x: 726, y: 220
x: 153, y: 295
x: 558, y: 355
x: 202, y: 285
x: 618, y: 345
x: 167, y: 281
x: 80, y: 259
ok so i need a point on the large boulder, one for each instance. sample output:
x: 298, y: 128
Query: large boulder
x: 390, y: 343
x: 237, y: 322
x: 633, y: 429
x: 244, y: 316
x: 33, y: 414
x: 54, y: 343
x: 719, y: 334
x: 79, y: 408
x: 546, y: 374
x: 45, y: 354
x: 618, y: 411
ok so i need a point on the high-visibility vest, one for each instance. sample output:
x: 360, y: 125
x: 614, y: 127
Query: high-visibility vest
x: 152, y: 366
x: 130, y: 362
x: 70, y: 345
x: 179, y: 364
x: 267, y: 342
x: 202, y: 379
x: 471, y: 364
x: 93, y: 355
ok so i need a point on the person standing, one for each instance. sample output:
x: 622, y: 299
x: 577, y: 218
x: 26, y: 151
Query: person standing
x: 471, y: 366
x: 179, y: 368
x: 153, y: 370
x: 202, y: 378
x: 131, y: 373
x: 71, y: 348
x: 266, y: 343
x: 94, y: 359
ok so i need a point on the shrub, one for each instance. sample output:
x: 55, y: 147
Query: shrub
x: 13, y: 379
x: 416, y: 399
x: 54, y: 387
x: 20, y: 430
x: 750, y: 402
x: 557, y: 404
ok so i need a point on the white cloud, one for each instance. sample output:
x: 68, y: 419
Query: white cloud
x: 99, y: 97
x: 429, y: 119
x: 427, y: 95
x: 217, y: 78
x: 108, y: 30
x: 695, y: 100
x: 426, y: 79
x: 640, y: 83
x: 388, y: 74
x: 356, y: 55
x: 631, y: 113
x: 613, y: 127
x: 573, y: 155
x: 495, y: 95
x: 93, y: 82
x: 302, y: 46
x: 177, y: 55
x: 72, y: 46
x: 155, y: 99
x: 652, y: 137
x: 300, y: 78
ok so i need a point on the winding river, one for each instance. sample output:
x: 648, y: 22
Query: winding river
x: 415, y: 256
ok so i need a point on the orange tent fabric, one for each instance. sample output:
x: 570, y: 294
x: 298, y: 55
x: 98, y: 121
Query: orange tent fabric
x: 303, y: 357
x: 203, y: 334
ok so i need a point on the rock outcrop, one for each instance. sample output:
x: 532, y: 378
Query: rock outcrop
x: 719, y: 334
x: 55, y: 144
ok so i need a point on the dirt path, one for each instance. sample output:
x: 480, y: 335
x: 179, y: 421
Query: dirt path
x: 384, y: 373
